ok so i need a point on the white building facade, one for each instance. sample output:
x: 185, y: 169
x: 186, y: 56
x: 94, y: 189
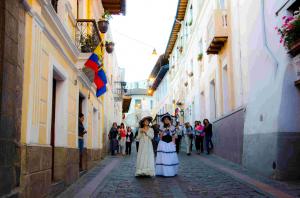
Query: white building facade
x: 226, y: 64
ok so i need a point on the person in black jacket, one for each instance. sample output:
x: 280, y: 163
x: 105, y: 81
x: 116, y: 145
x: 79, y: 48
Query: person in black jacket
x: 129, y: 140
x: 208, y: 135
x: 81, y: 132
x: 113, y: 133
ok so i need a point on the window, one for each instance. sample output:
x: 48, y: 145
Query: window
x: 151, y: 104
x: 212, y: 99
x: 202, y: 105
x: 138, y: 104
x: 225, y: 89
x: 190, y: 16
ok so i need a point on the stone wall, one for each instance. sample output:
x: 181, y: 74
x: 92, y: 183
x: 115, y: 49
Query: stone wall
x: 12, y: 29
x: 93, y: 157
x: 228, y: 136
x: 66, y: 164
x: 36, y: 167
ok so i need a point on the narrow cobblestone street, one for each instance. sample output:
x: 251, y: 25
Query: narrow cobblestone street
x: 114, y: 177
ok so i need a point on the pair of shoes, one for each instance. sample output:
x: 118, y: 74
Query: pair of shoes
x: 188, y: 153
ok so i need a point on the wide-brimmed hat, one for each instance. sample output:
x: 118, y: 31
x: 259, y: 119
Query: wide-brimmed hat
x: 166, y: 115
x: 146, y: 116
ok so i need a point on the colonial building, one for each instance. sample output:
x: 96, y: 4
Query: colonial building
x: 226, y: 64
x: 50, y: 41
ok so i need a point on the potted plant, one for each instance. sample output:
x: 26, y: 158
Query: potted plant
x: 104, y: 22
x: 200, y: 56
x: 87, y: 43
x: 109, y: 46
x: 289, y: 32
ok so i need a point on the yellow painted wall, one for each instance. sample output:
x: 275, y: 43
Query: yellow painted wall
x: 37, y: 55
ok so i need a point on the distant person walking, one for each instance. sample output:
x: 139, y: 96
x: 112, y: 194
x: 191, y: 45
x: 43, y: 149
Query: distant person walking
x: 178, y: 139
x: 129, y: 140
x: 113, y: 134
x: 199, y: 136
x: 208, y: 135
x: 122, y: 134
x: 188, y: 136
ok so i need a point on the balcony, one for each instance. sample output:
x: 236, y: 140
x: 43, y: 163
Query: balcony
x: 119, y: 90
x: 87, y: 35
x: 217, y: 33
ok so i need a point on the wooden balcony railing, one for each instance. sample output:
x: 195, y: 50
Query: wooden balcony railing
x: 87, y: 35
x: 217, y: 33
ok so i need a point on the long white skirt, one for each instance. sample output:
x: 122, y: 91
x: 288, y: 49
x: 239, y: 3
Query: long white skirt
x: 145, y: 159
x: 167, y: 160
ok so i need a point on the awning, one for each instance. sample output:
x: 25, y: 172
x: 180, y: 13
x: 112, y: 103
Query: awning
x: 126, y: 104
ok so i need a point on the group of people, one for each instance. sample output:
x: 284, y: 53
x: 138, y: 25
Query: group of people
x: 120, y: 139
x: 157, y: 146
x: 196, y: 134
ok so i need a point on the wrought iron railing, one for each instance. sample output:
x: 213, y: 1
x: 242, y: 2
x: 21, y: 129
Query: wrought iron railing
x: 87, y: 35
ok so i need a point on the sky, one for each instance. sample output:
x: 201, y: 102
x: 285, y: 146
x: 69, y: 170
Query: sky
x: 146, y: 25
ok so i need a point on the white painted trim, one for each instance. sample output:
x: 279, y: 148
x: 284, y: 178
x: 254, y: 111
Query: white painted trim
x: 70, y: 13
x: 61, y: 110
x: 49, y: 13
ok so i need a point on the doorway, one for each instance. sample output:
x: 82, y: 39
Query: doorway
x: 52, y: 137
x: 58, y: 130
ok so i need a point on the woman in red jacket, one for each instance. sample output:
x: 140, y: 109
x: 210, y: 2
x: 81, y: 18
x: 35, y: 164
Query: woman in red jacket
x: 122, y: 133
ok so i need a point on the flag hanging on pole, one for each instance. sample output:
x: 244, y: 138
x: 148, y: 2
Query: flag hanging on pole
x: 95, y: 63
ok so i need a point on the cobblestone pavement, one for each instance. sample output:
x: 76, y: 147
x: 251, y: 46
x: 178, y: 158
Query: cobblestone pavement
x: 195, y: 179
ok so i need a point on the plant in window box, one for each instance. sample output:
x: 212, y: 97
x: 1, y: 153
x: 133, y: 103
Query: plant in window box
x: 103, y: 23
x: 88, y: 43
x: 109, y: 46
x: 191, y: 22
x: 289, y: 32
x: 200, y: 56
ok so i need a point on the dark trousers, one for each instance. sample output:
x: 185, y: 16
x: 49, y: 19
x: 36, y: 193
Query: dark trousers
x: 137, y: 146
x: 208, y: 143
x: 128, y: 148
x: 113, y: 144
x: 199, y: 143
x: 178, y: 142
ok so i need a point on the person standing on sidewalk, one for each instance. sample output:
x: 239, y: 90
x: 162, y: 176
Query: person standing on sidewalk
x: 122, y: 133
x: 145, y: 156
x: 156, y: 137
x: 113, y: 134
x: 208, y: 135
x: 188, y: 136
x: 129, y: 139
x: 81, y: 132
x: 199, y: 136
x: 179, y: 132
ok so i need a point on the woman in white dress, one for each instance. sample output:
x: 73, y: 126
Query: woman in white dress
x: 167, y: 160
x: 145, y: 156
